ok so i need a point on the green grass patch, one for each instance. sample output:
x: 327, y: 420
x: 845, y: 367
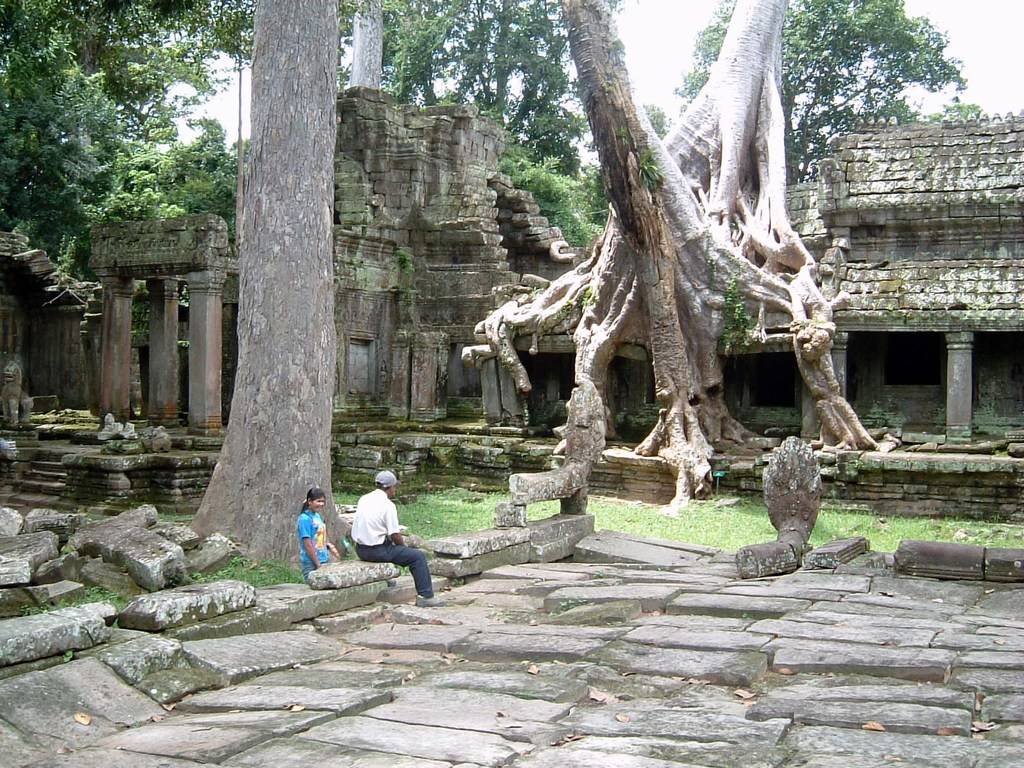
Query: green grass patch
x: 89, y: 595
x: 724, y: 522
x: 259, y: 573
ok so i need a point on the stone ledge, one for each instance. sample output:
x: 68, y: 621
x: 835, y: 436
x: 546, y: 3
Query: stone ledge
x: 477, y: 543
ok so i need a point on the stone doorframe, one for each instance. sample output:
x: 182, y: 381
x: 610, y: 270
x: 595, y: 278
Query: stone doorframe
x: 162, y: 252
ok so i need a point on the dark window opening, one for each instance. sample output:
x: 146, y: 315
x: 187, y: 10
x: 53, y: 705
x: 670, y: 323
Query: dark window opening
x: 913, y: 359
x: 774, y: 384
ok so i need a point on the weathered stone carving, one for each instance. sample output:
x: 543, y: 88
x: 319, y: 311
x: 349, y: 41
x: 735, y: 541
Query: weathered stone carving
x: 792, y: 493
x: 155, y: 439
x: 17, y: 404
x: 115, y: 430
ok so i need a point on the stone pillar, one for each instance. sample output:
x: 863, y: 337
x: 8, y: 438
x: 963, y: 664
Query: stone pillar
x: 401, y: 369
x: 428, y: 390
x: 959, y: 365
x: 839, y: 346
x: 162, y: 403
x: 490, y: 391
x: 116, y: 347
x: 810, y: 427
x: 204, y: 353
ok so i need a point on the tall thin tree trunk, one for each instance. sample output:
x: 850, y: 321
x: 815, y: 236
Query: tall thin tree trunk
x: 278, y: 440
x: 240, y: 158
x: 367, y: 45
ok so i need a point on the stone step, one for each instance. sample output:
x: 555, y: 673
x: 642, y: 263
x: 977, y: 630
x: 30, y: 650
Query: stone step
x: 46, y: 474
x: 27, y: 638
x: 53, y: 487
x: 186, y: 605
x: 43, y: 465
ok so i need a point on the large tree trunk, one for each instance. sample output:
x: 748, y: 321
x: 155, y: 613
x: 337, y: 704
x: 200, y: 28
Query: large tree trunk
x: 699, y: 221
x: 367, y: 45
x: 278, y: 440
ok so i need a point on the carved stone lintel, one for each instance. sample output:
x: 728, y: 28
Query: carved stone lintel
x: 769, y: 559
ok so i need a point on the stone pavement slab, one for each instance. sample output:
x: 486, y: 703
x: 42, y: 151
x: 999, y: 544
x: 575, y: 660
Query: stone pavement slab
x: 742, y: 668
x: 688, y: 622
x: 284, y: 753
x: 337, y: 674
x: 186, y: 605
x: 712, y: 754
x: 341, y: 701
x: 743, y: 606
x: 782, y: 701
x: 1003, y: 708
x: 507, y: 716
x: 865, y: 633
x: 97, y: 757
x: 234, y: 659
x: 990, y: 660
x: 896, y: 718
x: 970, y: 641
x: 958, y: 592
x: 18, y: 749
x: 574, y: 757
x: 1008, y: 603
x: 475, y: 543
x: 923, y: 664
x: 514, y: 683
x: 598, y: 614
x: 135, y: 659
x: 795, y: 592
x: 448, y: 744
x: 496, y: 646
x: 710, y: 640
x: 421, y: 637
x: 26, y: 638
x: 43, y: 704
x: 843, y: 617
x: 612, y: 547
x: 988, y: 680
x: 652, y: 597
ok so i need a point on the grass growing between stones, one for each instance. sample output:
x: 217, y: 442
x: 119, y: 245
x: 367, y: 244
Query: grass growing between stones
x: 259, y: 573
x: 725, y: 522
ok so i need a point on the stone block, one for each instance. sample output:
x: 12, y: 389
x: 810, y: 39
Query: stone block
x: 454, y: 568
x: 836, y: 553
x: 96, y: 573
x: 351, y: 573
x: 556, y: 537
x: 303, y: 603
x: 211, y: 554
x: 64, y: 524
x: 614, y: 547
x: 234, y: 659
x: 340, y: 701
x: 11, y: 522
x: 135, y: 659
x: 772, y: 558
x: 37, y: 548
x: 67, y: 567
x: 14, y: 571
x: 265, y: 616
x: 1004, y: 564
x: 186, y: 605
x: 180, y: 534
x: 940, y: 560
x: 479, y: 542
x: 27, y: 638
x: 152, y: 561
x: 170, y: 685
x: 509, y: 515
x: 920, y: 664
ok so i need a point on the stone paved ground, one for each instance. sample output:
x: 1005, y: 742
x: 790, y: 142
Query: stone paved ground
x: 579, y: 664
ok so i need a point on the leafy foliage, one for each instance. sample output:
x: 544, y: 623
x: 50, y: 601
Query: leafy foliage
x: 843, y: 61
x: 573, y: 203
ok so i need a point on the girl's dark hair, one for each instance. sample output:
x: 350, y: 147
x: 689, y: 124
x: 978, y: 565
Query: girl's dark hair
x: 313, y: 494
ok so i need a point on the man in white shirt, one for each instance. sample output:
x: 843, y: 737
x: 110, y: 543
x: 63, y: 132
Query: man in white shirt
x: 379, y: 540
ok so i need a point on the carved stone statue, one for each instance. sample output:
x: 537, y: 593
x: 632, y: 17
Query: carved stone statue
x: 115, y: 430
x: 17, y: 404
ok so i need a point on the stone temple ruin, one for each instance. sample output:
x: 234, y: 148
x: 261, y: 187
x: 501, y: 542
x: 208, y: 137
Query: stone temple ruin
x: 920, y: 226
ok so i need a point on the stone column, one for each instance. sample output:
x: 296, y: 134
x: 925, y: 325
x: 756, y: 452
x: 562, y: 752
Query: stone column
x: 399, y: 391
x: 162, y: 403
x: 429, y: 376
x: 839, y: 346
x: 204, y: 353
x: 810, y: 427
x: 959, y: 367
x: 116, y: 347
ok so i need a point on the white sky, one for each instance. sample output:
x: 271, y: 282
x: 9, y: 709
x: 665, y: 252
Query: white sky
x: 658, y: 37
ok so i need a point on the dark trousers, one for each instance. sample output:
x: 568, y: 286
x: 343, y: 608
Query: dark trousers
x: 414, y: 559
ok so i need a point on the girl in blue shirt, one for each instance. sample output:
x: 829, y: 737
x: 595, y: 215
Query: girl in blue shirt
x: 314, y: 548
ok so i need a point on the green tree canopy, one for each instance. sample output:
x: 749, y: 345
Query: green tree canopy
x: 844, y: 61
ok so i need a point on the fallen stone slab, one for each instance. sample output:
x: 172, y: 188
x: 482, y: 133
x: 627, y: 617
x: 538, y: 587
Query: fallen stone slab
x: 303, y: 603
x: 235, y: 659
x: 922, y: 664
x: 11, y: 522
x: 66, y: 567
x: 782, y: 701
x: 95, y: 573
x: 455, y: 568
x: 212, y: 738
x: 947, y: 751
x: 466, y: 545
x: 182, y: 535
x: 135, y: 659
x: 170, y: 685
x: 664, y: 636
x: 14, y: 571
x: 507, y: 716
x: 43, y: 703
x: 743, y: 606
x: 940, y: 560
x: 211, y: 554
x: 337, y: 674
x: 279, y: 753
x: 186, y: 605
x: 350, y: 573
x: 447, y: 744
x: 739, y: 668
x: 690, y: 724
x: 411, y: 637
x: 27, y: 638
x: 519, y: 684
x: 862, y: 633
x: 97, y: 757
x: 768, y: 559
x: 894, y: 717
x: 144, y: 516
x: 652, y: 597
x: 36, y: 548
x: 265, y: 616
x: 556, y: 537
x: 493, y: 646
x: 608, y: 547
x: 63, y: 524
x: 341, y: 701
x: 835, y: 553
x: 349, y: 621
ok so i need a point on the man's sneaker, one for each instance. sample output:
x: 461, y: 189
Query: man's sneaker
x: 430, y: 602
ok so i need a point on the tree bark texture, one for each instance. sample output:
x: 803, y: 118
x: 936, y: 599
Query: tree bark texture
x: 367, y: 45
x: 694, y: 220
x: 278, y: 440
